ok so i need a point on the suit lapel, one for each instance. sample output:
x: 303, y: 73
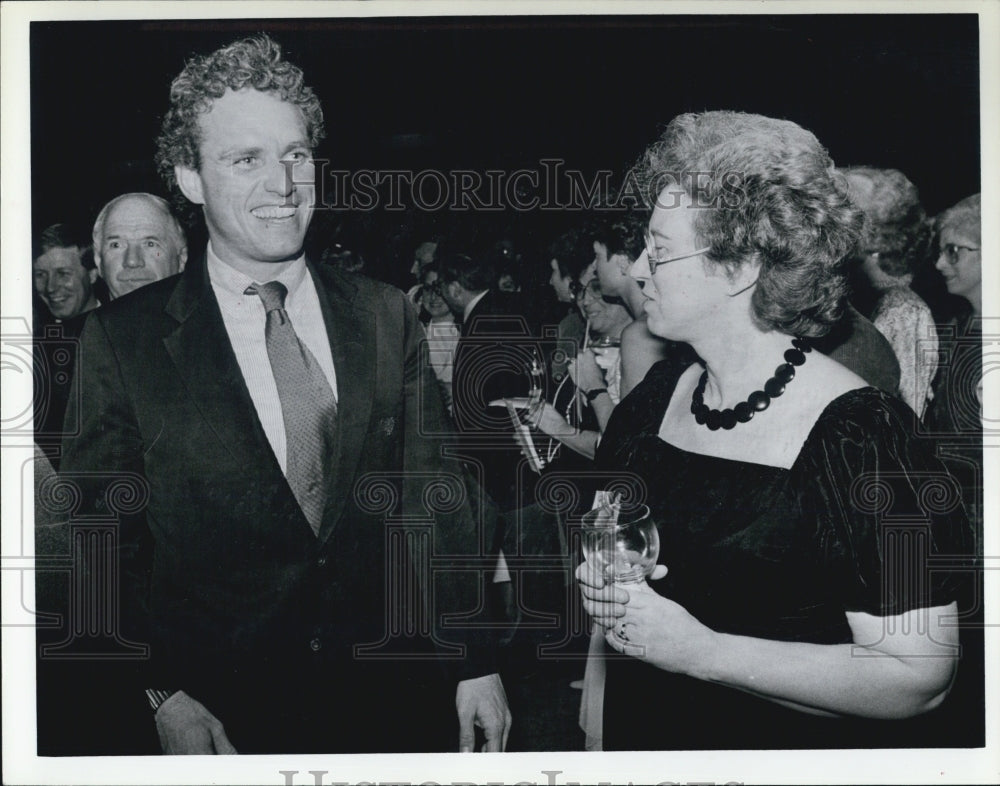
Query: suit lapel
x: 350, y: 325
x: 203, y: 356
x: 200, y: 349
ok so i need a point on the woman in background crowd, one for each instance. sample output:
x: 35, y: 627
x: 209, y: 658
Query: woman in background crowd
x: 955, y: 415
x: 958, y: 390
x: 895, y: 240
x: 590, y: 387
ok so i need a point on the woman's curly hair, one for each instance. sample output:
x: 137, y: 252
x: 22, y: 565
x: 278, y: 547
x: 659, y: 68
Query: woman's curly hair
x: 896, y: 225
x: 254, y: 63
x: 778, y: 203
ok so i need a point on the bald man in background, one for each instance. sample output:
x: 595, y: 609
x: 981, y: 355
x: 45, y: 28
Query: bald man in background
x: 137, y: 240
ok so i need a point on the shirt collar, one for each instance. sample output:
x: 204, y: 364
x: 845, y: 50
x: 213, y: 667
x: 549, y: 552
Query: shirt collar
x: 232, y: 284
x: 472, y: 304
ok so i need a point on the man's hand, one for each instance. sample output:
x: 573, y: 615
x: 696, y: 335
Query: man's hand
x: 185, y: 726
x: 482, y: 702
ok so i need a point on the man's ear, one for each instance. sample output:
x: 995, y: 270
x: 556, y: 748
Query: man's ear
x: 623, y: 263
x: 183, y: 257
x: 92, y: 275
x: 189, y: 182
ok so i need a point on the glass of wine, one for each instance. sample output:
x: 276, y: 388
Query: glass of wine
x: 621, y: 541
x: 604, y: 342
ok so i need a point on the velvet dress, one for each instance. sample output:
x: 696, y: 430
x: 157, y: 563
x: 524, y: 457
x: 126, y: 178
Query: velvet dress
x: 781, y: 554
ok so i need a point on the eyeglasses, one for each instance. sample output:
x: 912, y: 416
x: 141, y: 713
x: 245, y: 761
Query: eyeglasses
x: 580, y: 291
x: 655, y: 260
x: 435, y: 287
x: 952, y: 251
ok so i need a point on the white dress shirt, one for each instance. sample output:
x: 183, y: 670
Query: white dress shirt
x: 442, y: 338
x: 244, y: 317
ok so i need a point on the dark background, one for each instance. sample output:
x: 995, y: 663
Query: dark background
x: 498, y: 93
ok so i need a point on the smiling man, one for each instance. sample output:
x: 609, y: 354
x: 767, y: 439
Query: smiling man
x: 272, y: 407
x: 63, y: 279
x: 137, y: 241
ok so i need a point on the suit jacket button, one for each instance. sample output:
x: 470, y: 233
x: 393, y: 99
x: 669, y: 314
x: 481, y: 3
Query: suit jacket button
x: 315, y: 645
x: 321, y: 562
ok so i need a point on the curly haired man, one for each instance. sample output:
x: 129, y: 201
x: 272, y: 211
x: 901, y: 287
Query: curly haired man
x: 271, y: 407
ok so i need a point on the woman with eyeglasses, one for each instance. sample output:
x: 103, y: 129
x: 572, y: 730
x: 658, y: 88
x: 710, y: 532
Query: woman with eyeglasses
x: 791, y: 607
x: 895, y: 240
x: 960, y: 258
x: 957, y: 408
x: 958, y: 393
x: 583, y: 402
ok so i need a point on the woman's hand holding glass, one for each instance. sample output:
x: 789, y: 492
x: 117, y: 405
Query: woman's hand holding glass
x: 606, y: 357
x: 649, y: 626
x: 621, y: 550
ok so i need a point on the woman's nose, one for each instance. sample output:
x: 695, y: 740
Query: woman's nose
x: 639, y: 269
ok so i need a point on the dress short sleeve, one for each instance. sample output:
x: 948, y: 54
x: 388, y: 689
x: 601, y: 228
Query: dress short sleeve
x: 891, y: 532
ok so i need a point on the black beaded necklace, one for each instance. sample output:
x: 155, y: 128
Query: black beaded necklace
x: 758, y: 401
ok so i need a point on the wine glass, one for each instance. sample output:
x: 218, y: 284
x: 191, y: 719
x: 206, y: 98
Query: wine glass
x: 604, y: 342
x: 622, y: 542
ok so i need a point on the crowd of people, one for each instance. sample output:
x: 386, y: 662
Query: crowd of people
x: 343, y: 494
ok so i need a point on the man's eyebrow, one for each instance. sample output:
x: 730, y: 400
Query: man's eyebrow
x: 299, y: 144
x: 239, y: 152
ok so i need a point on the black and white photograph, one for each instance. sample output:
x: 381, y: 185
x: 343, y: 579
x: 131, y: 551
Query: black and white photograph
x: 509, y: 393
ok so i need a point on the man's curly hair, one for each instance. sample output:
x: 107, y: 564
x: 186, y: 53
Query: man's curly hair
x: 255, y: 63
x: 777, y: 202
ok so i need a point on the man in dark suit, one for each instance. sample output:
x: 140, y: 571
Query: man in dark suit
x: 275, y: 422
x: 499, y: 356
x: 495, y: 357
x: 67, y: 288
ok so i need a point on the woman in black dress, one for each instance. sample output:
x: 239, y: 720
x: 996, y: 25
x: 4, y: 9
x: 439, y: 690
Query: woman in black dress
x: 799, y: 514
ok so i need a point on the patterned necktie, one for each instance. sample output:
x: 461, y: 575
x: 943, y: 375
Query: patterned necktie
x: 308, y: 406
